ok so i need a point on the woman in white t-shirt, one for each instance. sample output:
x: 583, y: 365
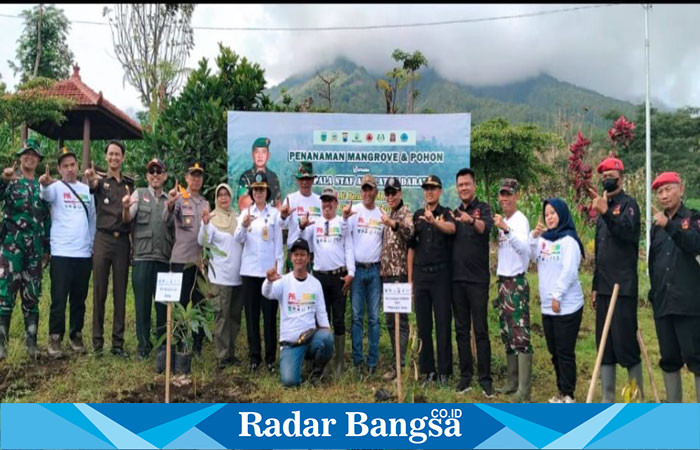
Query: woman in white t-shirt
x: 224, y: 274
x: 558, y: 252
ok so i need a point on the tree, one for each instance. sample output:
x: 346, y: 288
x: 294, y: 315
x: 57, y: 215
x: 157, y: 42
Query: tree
x: 499, y: 150
x: 324, y: 91
x: 193, y: 125
x: 411, y: 64
x: 42, y: 49
x: 395, y: 80
x: 152, y: 43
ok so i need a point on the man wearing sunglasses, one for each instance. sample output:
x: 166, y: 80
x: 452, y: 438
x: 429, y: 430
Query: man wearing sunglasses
x: 153, y: 243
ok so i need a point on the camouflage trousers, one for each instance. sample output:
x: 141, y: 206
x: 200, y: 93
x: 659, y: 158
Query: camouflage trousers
x: 513, y: 305
x: 20, y: 270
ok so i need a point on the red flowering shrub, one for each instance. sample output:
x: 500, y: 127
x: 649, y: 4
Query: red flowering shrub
x: 581, y: 173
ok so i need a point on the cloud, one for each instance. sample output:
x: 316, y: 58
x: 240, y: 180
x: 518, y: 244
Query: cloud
x: 600, y: 49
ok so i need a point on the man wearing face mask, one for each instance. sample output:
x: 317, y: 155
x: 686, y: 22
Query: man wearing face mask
x: 616, y: 257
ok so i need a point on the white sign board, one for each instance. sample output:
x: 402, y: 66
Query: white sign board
x: 168, y: 287
x: 397, y: 297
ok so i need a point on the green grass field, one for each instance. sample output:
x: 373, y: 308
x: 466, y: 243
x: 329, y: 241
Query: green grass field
x: 108, y: 379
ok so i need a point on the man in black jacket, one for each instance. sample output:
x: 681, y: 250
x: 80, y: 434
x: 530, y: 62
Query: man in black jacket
x: 616, y: 257
x: 674, y: 271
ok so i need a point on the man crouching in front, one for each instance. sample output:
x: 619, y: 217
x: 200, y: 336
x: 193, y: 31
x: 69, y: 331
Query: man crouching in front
x: 305, y: 332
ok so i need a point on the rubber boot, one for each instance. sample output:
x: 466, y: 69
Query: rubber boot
x: 524, y: 377
x: 4, y: 335
x: 697, y: 388
x: 31, y: 326
x: 339, y: 345
x: 54, y: 347
x: 512, y: 382
x: 635, y: 372
x: 607, y: 383
x: 674, y: 388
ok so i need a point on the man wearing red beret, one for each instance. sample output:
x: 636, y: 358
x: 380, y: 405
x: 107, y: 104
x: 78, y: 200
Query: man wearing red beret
x: 616, y: 259
x: 675, y: 282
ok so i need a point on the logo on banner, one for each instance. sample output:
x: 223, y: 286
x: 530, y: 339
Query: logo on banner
x: 380, y: 137
x: 404, y: 137
x: 334, y: 137
x: 392, y: 137
x: 324, y: 136
x: 357, y: 137
x: 369, y: 137
x: 345, y: 136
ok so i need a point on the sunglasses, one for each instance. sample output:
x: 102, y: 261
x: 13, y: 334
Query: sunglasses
x: 155, y: 170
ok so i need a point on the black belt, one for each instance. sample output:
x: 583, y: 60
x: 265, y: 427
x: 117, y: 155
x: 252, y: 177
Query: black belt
x: 503, y: 278
x: 115, y: 234
x: 366, y: 265
x: 433, y: 268
x: 337, y: 271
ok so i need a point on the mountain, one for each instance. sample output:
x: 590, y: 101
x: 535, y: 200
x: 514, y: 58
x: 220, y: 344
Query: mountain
x: 542, y: 99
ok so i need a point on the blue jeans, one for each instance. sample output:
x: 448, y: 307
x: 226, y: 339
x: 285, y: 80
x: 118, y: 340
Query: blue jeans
x: 319, y: 350
x: 366, y: 288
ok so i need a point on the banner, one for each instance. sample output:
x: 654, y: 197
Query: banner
x: 344, y: 147
x: 357, y: 426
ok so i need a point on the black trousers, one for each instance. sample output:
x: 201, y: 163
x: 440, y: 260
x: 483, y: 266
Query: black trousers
x: 190, y: 291
x: 561, y: 333
x: 70, y: 278
x: 254, y: 302
x: 109, y: 253
x: 144, y: 276
x: 622, y: 346
x: 470, y: 303
x: 432, y: 296
x: 679, y: 342
x: 335, y: 300
x: 390, y: 320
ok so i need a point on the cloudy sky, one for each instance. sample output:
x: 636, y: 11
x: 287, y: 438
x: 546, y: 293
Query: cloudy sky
x: 598, y: 48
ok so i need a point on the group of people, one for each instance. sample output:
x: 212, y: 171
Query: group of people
x: 105, y: 223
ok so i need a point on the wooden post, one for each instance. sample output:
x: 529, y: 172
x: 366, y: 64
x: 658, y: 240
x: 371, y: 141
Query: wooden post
x: 167, y: 352
x: 647, y: 363
x: 398, y: 357
x: 601, y: 346
x: 86, y: 142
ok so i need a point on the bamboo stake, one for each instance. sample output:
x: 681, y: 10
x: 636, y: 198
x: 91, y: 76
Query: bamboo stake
x: 603, y: 339
x: 398, y: 357
x: 167, y: 353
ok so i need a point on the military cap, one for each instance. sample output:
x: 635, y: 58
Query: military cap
x: 155, y: 162
x: 196, y: 166
x: 392, y: 184
x: 262, y: 142
x: 305, y: 170
x: 329, y: 193
x: 65, y: 151
x: 432, y: 180
x: 30, y: 144
x: 509, y: 185
x: 368, y: 180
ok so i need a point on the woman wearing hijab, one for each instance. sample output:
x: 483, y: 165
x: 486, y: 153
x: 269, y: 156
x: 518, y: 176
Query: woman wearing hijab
x: 558, y: 251
x: 260, y: 231
x: 224, y: 274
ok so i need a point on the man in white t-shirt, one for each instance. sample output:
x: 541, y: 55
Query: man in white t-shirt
x: 72, y: 235
x: 513, y: 302
x: 298, y: 204
x: 366, y: 229
x: 304, y: 328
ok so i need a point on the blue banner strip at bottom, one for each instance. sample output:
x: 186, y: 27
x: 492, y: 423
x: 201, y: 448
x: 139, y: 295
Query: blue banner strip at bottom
x: 348, y: 425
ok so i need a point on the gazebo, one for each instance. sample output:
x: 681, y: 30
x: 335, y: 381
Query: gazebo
x: 91, y: 117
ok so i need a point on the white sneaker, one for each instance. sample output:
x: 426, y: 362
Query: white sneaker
x: 556, y: 399
x: 568, y: 399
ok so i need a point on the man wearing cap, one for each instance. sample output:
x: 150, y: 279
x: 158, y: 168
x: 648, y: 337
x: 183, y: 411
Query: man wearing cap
x: 72, y: 236
x: 185, y: 209
x: 366, y: 229
x: 300, y: 204
x: 513, y: 303
x: 334, y: 264
x: 430, y: 254
x: 398, y: 229
x: 304, y: 329
x: 153, y: 243
x: 24, y: 244
x: 260, y: 154
x: 674, y: 271
x: 470, y: 282
x: 618, y: 230
x: 111, y: 247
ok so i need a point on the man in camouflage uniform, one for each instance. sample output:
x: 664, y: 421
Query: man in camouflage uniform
x: 513, y: 301
x: 260, y: 154
x: 24, y: 244
x: 398, y: 229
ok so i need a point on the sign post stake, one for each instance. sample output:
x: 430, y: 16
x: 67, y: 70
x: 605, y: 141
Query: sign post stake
x: 167, y: 352
x: 168, y: 287
x: 398, y: 357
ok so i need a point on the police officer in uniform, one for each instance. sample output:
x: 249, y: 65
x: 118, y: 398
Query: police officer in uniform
x: 24, y: 245
x: 616, y: 256
x: 112, y: 246
x: 674, y: 270
x: 430, y: 256
x: 260, y: 154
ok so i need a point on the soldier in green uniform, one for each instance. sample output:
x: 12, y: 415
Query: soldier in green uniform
x: 260, y: 154
x: 24, y: 239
